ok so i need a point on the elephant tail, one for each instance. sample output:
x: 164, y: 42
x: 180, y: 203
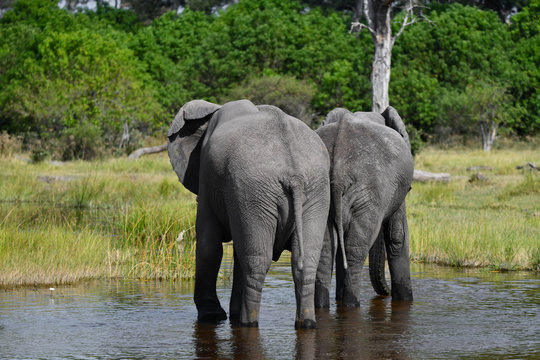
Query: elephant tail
x: 338, y: 219
x: 297, y: 189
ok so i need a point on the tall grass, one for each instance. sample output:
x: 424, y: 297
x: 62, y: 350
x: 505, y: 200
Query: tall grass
x: 133, y: 219
x: 493, y: 223
x: 115, y: 218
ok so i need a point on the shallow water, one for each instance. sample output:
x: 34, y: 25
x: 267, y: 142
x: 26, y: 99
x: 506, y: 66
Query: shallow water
x: 456, y: 314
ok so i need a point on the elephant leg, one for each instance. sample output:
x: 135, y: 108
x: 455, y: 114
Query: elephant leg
x: 360, y: 237
x: 235, y: 304
x: 253, y: 249
x: 377, y: 260
x: 323, y: 279
x: 304, y: 279
x: 397, y: 250
x: 209, y: 253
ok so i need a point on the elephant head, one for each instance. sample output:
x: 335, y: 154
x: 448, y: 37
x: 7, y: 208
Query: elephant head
x: 185, y: 140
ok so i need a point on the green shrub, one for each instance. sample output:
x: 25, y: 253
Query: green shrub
x: 291, y: 95
x: 81, y: 142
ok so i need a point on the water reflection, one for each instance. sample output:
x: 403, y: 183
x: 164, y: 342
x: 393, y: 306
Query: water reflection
x: 349, y: 334
x: 245, y: 343
x: 456, y: 314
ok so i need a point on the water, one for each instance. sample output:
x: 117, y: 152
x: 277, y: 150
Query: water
x: 456, y: 314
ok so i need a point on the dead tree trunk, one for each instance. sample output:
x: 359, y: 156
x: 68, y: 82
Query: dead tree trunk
x: 147, y: 150
x: 378, y: 15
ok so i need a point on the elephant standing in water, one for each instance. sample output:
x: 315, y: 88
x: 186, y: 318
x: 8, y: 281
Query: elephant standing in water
x: 371, y: 173
x: 261, y: 178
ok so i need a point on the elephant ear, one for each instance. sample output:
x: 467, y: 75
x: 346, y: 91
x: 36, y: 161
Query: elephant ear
x: 393, y: 120
x: 334, y: 115
x: 185, y: 140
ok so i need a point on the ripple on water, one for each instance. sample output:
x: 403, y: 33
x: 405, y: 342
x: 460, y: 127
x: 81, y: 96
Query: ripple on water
x: 455, y: 314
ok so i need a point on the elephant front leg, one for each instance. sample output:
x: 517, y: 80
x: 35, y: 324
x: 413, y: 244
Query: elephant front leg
x: 397, y: 250
x: 209, y: 253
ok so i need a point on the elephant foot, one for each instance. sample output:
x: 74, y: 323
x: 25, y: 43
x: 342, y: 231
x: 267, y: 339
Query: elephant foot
x: 349, y: 300
x: 212, y: 316
x: 402, y: 295
x: 305, y: 324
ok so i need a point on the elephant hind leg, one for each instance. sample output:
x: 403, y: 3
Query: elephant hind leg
x: 361, y: 235
x: 304, y: 278
x: 253, y: 257
x: 254, y: 271
x: 397, y: 250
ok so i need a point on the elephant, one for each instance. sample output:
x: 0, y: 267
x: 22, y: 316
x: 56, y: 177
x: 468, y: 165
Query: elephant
x: 371, y: 173
x: 262, y: 180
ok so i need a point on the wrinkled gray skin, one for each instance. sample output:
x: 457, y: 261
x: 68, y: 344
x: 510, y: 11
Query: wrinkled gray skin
x: 371, y: 173
x: 261, y: 178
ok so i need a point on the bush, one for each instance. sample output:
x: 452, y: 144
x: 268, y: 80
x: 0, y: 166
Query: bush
x: 81, y: 142
x: 9, y: 144
x: 291, y: 95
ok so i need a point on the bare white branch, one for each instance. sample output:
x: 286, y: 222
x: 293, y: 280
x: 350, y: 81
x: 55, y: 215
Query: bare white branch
x: 369, y: 14
x: 410, y: 18
x: 357, y: 26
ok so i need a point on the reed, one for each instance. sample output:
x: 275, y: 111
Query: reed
x: 62, y: 223
x: 493, y: 223
x: 120, y: 218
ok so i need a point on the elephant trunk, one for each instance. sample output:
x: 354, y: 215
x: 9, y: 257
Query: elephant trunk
x: 377, y: 257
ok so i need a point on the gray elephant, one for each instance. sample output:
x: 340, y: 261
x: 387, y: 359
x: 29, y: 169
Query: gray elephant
x: 371, y: 173
x: 261, y: 178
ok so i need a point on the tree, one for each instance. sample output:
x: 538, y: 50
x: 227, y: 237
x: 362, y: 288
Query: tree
x: 482, y: 108
x: 504, y: 8
x: 62, y: 76
x: 378, y: 15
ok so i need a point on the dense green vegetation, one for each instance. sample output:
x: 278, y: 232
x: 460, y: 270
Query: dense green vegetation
x: 72, y: 84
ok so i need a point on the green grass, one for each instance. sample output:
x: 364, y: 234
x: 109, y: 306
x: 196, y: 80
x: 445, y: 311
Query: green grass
x: 81, y: 220
x: 121, y: 218
x: 493, y: 223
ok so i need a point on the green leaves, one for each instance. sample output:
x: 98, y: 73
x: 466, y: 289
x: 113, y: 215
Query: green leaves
x: 66, y: 76
x: 61, y: 71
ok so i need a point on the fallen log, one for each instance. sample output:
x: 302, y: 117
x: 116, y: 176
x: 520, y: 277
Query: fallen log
x: 147, y: 150
x: 423, y: 176
x: 529, y: 166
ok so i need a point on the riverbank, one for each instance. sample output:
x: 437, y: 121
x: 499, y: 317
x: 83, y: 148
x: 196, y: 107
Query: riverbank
x: 487, y: 215
x: 65, y: 222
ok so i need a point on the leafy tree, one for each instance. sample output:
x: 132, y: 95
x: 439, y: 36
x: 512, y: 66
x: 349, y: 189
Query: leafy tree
x: 482, y: 108
x: 59, y: 73
x: 464, y: 44
x: 169, y: 49
x: 525, y: 31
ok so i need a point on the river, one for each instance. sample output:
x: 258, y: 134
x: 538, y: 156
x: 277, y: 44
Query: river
x: 456, y: 314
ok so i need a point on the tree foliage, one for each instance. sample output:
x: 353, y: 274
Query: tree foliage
x: 60, y: 71
x: 73, y: 76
